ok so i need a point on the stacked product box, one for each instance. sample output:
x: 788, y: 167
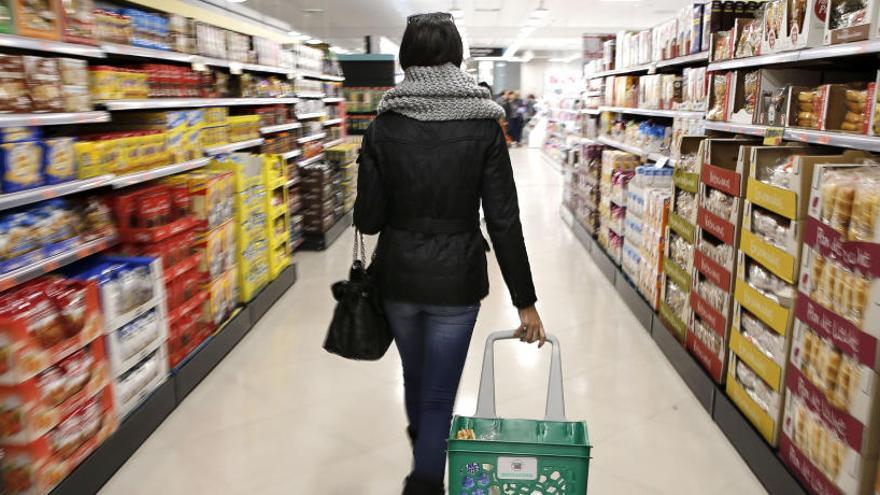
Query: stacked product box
x: 136, y: 325
x: 719, y: 210
x: 319, y: 198
x: 343, y: 158
x: 55, y: 395
x: 278, y: 214
x: 830, y: 426
x: 646, y: 215
x: 199, y: 295
x: 584, y: 202
x: 250, y: 226
x: 182, y: 129
x: 678, y: 253
x: 767, y: 274
x: 618, y: 168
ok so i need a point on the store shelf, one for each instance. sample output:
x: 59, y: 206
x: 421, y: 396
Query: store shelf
x: 291, y: 154
x: 271, y: 69
x: 752, y: 130
x: 313, y: 137
x: 52, y: 263
x: 591, y: 111
x: 292, y: 182
x: 655, y: 157
x: 323, y: 77
x: 40, y: 119
x: 160, y: 103
x: 334, y: 99
x: 313, y: 115
x: 320, y: 242
x: 654, y: 113
x: 757, y: 454
x: 335, y: 142
x: 59, y: 47
x: 328, y: 123
x: 310, y: 95
x: 100, y: 466
x: 229, y: 148
x: 308, y: 161
x: 809, y: 54
x: 831, y: 138
x: 141, y: 52
x: 16, y: 199
x: 127, y: 180
x: 695, y: 58
x: 280, y: 127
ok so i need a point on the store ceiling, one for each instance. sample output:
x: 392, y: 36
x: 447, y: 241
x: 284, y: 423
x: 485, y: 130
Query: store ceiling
x: 488, y: 22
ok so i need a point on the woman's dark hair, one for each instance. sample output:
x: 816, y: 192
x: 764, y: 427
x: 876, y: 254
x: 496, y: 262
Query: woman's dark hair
x: 430, y: 39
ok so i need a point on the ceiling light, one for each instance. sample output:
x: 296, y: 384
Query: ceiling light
x: 313, y: 41
x: 294, y: 34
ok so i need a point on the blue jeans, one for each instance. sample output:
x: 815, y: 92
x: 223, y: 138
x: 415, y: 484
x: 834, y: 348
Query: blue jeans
x: 433, y: 342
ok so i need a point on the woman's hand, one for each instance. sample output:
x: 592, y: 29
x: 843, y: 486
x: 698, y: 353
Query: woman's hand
x: 531, y: 330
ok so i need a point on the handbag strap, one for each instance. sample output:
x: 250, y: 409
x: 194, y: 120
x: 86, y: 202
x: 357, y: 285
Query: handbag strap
x: 359, y: 251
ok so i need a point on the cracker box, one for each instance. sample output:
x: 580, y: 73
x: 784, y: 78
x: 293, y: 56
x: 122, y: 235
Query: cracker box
x: 847, y: 22
x: 134, y: 386
x: 773, y: 38
x: 805, y: 22
x: 77, y: 21
x: 38, y: 18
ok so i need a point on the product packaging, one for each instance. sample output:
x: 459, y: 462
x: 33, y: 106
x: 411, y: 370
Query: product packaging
x: 849, y: 21
x: 14, y: 97
x: 38, y: 18
x: 77, y: 21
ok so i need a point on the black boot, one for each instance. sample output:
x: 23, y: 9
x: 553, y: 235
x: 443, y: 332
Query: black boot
x: 415, y: 486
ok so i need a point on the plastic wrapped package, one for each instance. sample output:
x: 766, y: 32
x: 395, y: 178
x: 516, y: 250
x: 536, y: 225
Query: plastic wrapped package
x: 763, y: 337
x: 766, y: 398
x: 678, y: 300
x: 808, y: 108
x: 773, y: 228
x: 772, y: 286
x: 719, y: 203
x: 719, y: 92
x: 680, y: 250
x: 839, y: 289
x: 780, y: 173
x: 720, y: 253
x: 686, y: 204
x: 708, y: 337
x: 716, y: 297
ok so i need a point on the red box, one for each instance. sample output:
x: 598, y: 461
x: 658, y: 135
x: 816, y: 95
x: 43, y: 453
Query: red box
x: 45, y: 321
x: 187, y: 328
x: 30, y: 409
x: 40, y: 465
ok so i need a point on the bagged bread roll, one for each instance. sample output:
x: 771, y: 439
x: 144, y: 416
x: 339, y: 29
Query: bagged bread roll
x: 806, y: 96
x: 843, y: 202
x: 866, y: 207
x: 856, y: 107
x: 806, y: 107
x: 854, y: 118
x: 856, y: 95
x: 847, y: 377
x: 830, y: 370
x: 850, y: 127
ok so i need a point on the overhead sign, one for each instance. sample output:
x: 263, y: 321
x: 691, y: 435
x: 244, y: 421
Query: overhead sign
x: 482, y: 51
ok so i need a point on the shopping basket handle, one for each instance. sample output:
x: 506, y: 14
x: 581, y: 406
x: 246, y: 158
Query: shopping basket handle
x: 555, y: 409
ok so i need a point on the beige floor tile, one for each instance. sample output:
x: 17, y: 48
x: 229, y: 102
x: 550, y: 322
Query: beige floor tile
x: 281, y: 416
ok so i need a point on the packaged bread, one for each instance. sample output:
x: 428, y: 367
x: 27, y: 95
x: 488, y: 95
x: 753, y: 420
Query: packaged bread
x: 13, y: 86
x: 866, y: 208
x: 38, y: 18
x: 44, y: 84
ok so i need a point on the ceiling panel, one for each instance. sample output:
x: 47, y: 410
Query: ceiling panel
x: 488, y: 22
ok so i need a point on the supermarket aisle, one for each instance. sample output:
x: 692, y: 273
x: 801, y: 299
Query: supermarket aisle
x: 280, y: 416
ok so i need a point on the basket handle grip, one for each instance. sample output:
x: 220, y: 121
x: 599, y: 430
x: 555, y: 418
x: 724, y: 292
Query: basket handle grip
x: 555, y: 409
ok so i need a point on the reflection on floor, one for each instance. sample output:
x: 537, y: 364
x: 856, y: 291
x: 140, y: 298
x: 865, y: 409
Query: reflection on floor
x: 280, y: 416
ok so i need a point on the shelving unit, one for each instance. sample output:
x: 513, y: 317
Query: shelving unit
x: 52, y: 263
x: 320, y: 242
x: 655, y: 157
x: 131, y: 179
x: 291, y: 154
x: 311, y: 95
x: 332, y: 122
x: 807, y: 55
x: 313, y: 137
x: 654, y: 113
x: 160, y: 103
x: 280, y: 127
x: 652, y: 67
x: 335, y: 142
x: 334, y: 99
x: 308, y: 161
x: 47, y: 46
x: 231, y: 147
x: 43, y: 119
x: 16, y: 199
x: 324, y: 77
x: 309, y: 116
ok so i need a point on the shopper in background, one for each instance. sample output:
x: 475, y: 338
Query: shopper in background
x: 427, y: 161
x: 515, y: 117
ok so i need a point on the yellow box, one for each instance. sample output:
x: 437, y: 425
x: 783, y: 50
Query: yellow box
x: 781, y: 263
x: 767, y: 310
x: 766, y: 425
x: 766, y: 368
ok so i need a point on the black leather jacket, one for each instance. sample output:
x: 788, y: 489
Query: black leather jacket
x: 420, y: 184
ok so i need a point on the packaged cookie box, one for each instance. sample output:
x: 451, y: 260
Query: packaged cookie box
x: 674, y: 306
x: 187, y: 328
x: 827, y: 451
x: 33, y: 407
x: 39, y: 466
x: 832, y: 107
x: 45, y: 321
x: 15, y: 97
x: 21, y: 165
x: 43, y: 77
x: 775, y: 27
x: 253, y: 281
x: 135, y: 385
x: 38, y: 18
x: 848, y: 22
x: 213, y: 248
x: 793, y: 25
x: 131, y: 343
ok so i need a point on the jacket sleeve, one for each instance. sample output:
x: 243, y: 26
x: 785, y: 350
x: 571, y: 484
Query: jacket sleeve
x: 500, y: 205
x: 371, y: 202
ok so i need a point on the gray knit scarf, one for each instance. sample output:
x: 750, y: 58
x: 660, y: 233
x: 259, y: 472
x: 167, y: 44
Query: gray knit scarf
x: 441, y: 92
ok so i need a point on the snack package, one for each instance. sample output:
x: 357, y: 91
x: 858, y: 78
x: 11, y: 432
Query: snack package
x: 59, y: 160
x: 14, y: 97
x: 20, y: 166
x: 807, y: 108
x: 78, y: 24
x: 38, y: 18
x: 718, y: 98
x: 849, y: 20
x: 44, y: 84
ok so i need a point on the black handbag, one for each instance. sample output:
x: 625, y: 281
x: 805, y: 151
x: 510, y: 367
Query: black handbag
x: 359, y: 329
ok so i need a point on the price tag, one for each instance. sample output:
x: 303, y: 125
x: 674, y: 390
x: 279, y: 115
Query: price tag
x: 235, y: 68
x: 661, y: 162
x: 199, y: 65
x: 773, y: 137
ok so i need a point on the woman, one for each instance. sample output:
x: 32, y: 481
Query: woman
x: 515, y: 118
x: 427, y: 161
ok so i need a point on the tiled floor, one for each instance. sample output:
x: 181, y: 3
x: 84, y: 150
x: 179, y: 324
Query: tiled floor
x: 281, y: 416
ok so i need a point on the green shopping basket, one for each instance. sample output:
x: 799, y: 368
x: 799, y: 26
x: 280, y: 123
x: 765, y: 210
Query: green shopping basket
x: 518, y: 456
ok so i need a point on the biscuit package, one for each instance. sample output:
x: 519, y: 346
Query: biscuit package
x: 38, y: 18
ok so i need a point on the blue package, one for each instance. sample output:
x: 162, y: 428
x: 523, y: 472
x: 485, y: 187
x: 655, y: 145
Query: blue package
x: 20, y: 166
x: 19, y: 134
x: 59, y: 160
